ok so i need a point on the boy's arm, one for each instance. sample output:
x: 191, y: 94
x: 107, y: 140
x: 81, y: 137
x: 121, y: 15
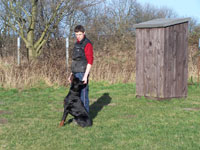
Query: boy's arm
x: 85, y: 77
x: 89, y: 57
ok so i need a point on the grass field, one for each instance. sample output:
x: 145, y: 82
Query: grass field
x: 29, y: 120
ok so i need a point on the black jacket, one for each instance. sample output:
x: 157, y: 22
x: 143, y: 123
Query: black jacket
x: 79, y: 61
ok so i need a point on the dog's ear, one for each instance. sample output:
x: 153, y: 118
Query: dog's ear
x: 72, y: 76
x: 75, y: 80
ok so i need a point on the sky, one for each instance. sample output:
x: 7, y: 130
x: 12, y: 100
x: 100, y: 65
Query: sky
x: 184, y: 8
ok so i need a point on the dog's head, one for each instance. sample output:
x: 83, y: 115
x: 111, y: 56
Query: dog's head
x: 76, y: 84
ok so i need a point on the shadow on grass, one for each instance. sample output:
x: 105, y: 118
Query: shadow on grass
x: 98, y: 105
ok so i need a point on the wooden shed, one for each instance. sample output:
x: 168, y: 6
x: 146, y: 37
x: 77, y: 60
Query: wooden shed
x: 162, y: 58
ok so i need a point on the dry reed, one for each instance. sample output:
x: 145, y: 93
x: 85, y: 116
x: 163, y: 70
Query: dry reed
x: 29, y: 74
x: 112, y: 66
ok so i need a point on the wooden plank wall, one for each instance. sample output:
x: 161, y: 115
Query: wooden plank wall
x: 150, y: 62
x: 176, y: 61
x: 161, y: 61
x: 139, y: 63
x: 154, y: 62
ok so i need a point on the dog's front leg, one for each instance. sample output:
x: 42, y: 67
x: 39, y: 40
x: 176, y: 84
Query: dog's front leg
x: 65, y: 113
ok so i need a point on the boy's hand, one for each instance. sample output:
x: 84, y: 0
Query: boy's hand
x: 70, y: 78
x: 84, y: 80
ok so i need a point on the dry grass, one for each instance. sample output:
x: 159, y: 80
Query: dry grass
x: 28, y: 74
x: 113, y: 66
x: 193, y: 63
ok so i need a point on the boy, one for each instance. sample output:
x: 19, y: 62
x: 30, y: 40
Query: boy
x: 82, y: 60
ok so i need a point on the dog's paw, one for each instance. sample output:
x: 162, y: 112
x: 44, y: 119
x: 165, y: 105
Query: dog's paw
x: 61, y: 123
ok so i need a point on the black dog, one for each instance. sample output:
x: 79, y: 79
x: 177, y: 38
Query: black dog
x: 74, y: 105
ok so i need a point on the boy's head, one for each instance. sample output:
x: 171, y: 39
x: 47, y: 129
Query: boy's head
x: 79, y: 32
x: 79, y: 28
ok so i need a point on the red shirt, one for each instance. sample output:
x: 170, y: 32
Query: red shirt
x: 89, y: 53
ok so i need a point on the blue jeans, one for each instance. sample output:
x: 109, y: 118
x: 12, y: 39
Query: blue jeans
x: 84, y: 91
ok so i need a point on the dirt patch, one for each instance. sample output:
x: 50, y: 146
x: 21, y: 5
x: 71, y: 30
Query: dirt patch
x: 129, y: 116
x: 191, y: 109
x: 112, y: 104
x: 3, y: 121
x: 197, y: 103
x: 60, y: 110
x: 4, y: 112
x: 93, y: 100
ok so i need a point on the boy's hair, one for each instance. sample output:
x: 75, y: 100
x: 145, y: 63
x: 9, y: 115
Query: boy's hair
x: 79, y: 28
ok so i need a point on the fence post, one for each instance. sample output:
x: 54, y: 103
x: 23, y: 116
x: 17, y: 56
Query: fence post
x: 198, y: 65
x: 18, y: 51
x: 67, y: 51
x: 199, y: 43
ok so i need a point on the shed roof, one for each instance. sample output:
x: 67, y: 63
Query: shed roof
x: 162, y: 22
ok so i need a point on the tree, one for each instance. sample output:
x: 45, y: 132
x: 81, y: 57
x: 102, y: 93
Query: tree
x: 148, y: 12
x: 35, y: 20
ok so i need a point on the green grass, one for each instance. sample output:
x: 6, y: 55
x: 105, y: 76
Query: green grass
x: 29, y: 120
